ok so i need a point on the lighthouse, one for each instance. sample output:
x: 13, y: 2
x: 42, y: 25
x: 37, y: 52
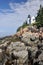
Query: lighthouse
x: 29, y: 19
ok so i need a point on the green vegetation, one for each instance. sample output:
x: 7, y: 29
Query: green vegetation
x: 0, y: 41
x: 39, y: 18
x: 15, y: 40
x: 25, y: 24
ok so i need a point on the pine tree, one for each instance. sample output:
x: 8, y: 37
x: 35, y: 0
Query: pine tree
x: 39, y: 18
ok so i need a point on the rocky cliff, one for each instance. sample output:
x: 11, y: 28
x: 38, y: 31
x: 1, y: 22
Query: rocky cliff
x: 23, y: 48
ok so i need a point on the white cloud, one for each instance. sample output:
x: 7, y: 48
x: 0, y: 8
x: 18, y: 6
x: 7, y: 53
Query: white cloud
x: 11, y: 21
x: 26, y: 8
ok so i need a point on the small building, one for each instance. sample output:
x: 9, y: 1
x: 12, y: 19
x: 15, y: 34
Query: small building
x: 32, y: 19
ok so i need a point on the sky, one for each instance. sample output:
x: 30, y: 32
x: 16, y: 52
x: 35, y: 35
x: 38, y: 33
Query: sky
x: 14, y: 12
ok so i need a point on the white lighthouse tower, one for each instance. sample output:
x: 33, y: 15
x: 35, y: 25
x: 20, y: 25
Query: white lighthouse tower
x: 29, y: 19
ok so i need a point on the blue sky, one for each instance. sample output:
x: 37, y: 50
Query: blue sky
x: 4, y: 4
x: 14, y: 12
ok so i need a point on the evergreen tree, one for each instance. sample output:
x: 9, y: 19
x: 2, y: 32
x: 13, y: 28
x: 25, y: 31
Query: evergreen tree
x: 39, y: 18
